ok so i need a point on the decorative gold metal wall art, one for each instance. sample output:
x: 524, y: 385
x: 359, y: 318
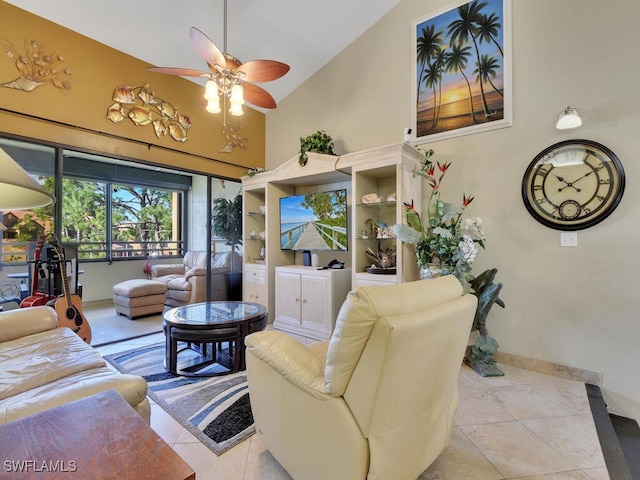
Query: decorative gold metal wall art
x: 233, y: 139
x: 36, y: 67
x: 164, y: 117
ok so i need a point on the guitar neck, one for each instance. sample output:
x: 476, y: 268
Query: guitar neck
x: 36, y: 258
x: 65, y: 281
x: 63, y: 274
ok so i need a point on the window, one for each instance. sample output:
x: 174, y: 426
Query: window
x: 84, y: 214
x: 142, y: 221
x: 111, y: 209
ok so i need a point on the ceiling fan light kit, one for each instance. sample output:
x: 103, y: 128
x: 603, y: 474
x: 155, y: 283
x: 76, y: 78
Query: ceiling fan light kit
x: 211, y: 96
x: 236, y: 99
x: 229, y: 78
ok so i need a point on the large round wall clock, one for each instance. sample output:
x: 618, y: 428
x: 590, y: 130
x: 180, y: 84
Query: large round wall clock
x: 573, y: 185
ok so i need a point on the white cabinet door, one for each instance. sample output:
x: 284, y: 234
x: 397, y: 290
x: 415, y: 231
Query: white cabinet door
x: 315, y: 301
x: 255, y: 288
x: 287, y: 297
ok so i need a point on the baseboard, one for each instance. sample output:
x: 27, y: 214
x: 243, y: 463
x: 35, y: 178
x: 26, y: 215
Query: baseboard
x: 549, y: 368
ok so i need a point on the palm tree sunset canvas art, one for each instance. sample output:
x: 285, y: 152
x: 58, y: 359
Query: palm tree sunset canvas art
x: 462, y: 70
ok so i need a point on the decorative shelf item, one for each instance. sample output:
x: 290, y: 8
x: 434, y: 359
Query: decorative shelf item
x: 371, y: 198
x: 381, y: 271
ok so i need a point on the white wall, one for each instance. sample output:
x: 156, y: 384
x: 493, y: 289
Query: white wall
x: 571, y: 306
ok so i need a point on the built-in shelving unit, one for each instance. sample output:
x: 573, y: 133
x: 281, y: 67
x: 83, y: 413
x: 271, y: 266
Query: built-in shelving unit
x: 386, y: 171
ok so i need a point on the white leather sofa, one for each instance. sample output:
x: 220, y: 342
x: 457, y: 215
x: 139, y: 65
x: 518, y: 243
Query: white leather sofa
x: 187, y: 281
x: 377, y: 400
x: 42, y: 366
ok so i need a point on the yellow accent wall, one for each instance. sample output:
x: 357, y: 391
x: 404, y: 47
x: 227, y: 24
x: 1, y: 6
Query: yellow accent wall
x: 77, y: 117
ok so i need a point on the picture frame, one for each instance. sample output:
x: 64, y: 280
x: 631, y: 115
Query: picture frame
x: 449, y: 45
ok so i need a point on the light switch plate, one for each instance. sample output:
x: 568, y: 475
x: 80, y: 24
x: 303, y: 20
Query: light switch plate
x: 569, y: 239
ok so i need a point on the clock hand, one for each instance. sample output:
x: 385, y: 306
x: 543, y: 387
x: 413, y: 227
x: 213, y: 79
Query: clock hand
x: 578, y: 179
x: 568, y: 184
x: 571, y: 184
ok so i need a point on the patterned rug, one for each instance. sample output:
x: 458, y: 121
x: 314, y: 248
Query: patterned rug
x: 215, y: 409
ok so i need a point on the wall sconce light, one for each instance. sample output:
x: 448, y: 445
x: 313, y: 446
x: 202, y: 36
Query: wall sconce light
x: 568, y: 118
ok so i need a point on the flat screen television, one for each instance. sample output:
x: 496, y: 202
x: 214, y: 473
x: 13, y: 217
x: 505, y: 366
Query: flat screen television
x: 314, y: 221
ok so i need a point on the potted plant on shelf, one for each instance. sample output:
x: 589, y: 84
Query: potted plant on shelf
x: 227, y: 224
x: 319, y: 142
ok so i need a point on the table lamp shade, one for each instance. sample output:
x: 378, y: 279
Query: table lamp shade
x: 18, y: 191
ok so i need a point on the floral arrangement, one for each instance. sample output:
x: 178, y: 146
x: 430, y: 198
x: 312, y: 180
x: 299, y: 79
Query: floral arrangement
x: 449, y: 239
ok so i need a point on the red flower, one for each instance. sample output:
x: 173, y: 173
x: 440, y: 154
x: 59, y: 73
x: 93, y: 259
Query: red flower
x: 466, y: 200
x: 431, y: 171
x: 410, y: 206
x: 443, y: 166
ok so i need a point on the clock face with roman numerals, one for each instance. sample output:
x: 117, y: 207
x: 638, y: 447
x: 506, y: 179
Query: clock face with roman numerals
x: 573, y: 185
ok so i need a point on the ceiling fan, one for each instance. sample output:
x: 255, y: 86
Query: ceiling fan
x: 229, y: 78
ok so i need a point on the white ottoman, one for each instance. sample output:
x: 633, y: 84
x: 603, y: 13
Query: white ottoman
x: 139, y: 297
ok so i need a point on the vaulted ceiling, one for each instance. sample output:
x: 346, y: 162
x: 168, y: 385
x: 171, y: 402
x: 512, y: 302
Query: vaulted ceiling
x: 304, y: 34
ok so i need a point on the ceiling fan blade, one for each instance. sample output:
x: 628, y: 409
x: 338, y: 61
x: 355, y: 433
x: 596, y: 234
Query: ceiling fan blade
x: 206, y: 48
x: 263, y: 70
x: 183, y: 72
x: 257, y: 96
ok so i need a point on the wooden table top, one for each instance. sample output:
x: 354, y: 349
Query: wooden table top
x: 98, y: 437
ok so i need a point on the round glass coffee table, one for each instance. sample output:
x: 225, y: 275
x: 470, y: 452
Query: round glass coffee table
x: 210, y: 323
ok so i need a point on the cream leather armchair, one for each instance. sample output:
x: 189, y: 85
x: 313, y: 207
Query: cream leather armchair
x: 377, y: 400
x: 187, y: 281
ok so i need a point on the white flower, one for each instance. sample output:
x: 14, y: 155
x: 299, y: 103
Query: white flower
x: 473, y: 228
x: 468, y: 249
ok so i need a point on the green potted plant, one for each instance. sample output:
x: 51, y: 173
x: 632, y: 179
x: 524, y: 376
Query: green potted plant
x: 227, y: 224
x: 319, y: 142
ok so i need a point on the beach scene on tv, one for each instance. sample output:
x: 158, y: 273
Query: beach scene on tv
x: 314, y: 221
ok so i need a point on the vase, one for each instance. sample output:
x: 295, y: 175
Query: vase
x: 434, y: 270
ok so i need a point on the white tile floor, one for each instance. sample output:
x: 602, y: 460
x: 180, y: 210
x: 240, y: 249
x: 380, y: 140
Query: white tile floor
x: 525, y: 425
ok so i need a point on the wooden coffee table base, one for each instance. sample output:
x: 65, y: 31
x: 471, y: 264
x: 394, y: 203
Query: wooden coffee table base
x: 99, y: 437
x: 211, y: 323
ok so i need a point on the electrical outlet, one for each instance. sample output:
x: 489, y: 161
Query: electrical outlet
x: 569, y: 239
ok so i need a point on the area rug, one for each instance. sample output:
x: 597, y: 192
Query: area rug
x: 214, y: 409
x: 109, y: 327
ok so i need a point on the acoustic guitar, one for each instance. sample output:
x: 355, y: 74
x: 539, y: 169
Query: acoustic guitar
x: 69, y: 307
x: 36, y: 298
